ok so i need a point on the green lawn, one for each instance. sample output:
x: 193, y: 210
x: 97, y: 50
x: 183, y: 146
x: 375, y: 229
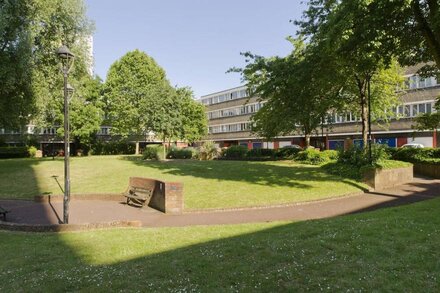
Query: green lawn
x: 207, y: 184
x: 390, y: 250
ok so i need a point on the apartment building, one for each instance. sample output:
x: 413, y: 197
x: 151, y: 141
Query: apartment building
x: 229, y: 115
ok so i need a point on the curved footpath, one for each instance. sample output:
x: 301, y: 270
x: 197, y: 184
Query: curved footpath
x: 90, y: 211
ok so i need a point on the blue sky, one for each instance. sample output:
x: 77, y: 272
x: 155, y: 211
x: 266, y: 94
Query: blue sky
x: 195, y: 41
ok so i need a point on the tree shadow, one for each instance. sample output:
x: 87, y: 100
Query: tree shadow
x: 259, y: 173
x: 346, y: 253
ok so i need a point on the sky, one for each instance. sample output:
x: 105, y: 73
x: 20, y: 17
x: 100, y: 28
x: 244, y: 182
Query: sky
x: 194, y: 41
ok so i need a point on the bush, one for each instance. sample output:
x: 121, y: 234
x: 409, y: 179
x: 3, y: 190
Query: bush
x: 331, y: 154
x: 151, y: 153
x: 208, y: 151
x: 175, y: 153
x: 32, y: 151
x: 113, y: 148
x: 414, y: 155
x: 260, y: 153
x: 235, y: 152
x: 13, y: 152
x: 286, y: 153
x: 359, y: 157
x: 313, y: 156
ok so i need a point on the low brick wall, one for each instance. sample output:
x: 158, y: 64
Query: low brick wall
x: 91, y: 196
x: 386, y: 178
x: 167, y: 196
x: 429, y: 170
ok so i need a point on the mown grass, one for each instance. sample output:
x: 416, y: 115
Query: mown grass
x: 390, y: 250
x: 207, y: 184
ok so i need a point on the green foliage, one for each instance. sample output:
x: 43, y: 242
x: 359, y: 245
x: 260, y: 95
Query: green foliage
x: 176, y: 153
x: 13, y: 152
x: 314, y: 156
x: 418, y: 155
x: 138, y: 96
x: 307, y: 92
x: 208, y: 151
x: 16, y: 94
x: 32, y: 151
x: 235, y: 152
x: 261, y: 154
x: 359, y: 157
x: 152, y: 153
x: 287, y: 153
x: 112, y: 148
x: 343, y: 170
x: 192, y: 113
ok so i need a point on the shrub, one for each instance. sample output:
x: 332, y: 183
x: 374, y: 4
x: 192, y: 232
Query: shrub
x: 359, y: 157
x: 175, y: 153
x: 313, y: 156
x: 208, y: 151
x: 113, y: 148
x: 151, y: 153
x: 32, y: 151
x: 331, y: 154
x: 260, y: 153
x: 286, y: 153
x: 415, y: 155
x: 235, y: 152
x: 13, y: 152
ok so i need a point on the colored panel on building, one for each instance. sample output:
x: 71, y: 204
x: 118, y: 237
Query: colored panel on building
x: 391, y: 142
x: 249, y: 145
x: 358, y: 143
x: 335, y: 144
x: 276, y: 145
x: 401, y: 141
x: 257, y: 145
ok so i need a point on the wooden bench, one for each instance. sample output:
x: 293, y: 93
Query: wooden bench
x: 139, y: 191
x: 3, y: 212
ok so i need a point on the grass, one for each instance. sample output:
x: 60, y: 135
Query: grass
x: 207, y: 184
x: 390, y: 250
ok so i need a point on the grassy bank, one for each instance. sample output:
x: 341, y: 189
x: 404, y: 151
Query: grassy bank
x: 207, y: 184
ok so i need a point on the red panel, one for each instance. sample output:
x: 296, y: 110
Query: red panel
x: 401, y: 141
x: 249, y: 145
x: 276, y: 145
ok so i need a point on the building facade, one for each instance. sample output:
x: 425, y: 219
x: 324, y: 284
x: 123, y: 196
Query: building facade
x: 229, y: 118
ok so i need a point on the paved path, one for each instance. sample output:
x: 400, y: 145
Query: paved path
x: 104, y: 211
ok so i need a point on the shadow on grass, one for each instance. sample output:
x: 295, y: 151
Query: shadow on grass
x: 17, y: 178
x: 262, y: 173
x: 385, y: 250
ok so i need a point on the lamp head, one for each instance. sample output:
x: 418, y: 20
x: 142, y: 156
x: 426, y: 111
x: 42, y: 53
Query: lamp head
x: 64, y: 53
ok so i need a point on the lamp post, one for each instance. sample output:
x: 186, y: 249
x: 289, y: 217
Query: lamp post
x: 67, y: 59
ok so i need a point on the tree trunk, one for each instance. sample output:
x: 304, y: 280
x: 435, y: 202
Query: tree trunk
x: 364, y: 117
x: 137, y: 148
x: 307, y: 139
x: 361, y: 84
x: 164, y: 149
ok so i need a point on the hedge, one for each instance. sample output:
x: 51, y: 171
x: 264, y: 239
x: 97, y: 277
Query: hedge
x: 14, y: 152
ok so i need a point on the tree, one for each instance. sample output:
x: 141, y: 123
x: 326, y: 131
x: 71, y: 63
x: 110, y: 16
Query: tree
x: 138, y: 96
x: 341, y: 29
x: 297, y: 95
x: 30, y: 33
x: 194, y: 120
x: 16, y: 95
x: 86, y: 111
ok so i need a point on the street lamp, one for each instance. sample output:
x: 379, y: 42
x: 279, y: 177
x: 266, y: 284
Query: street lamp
x: 67, y: 59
